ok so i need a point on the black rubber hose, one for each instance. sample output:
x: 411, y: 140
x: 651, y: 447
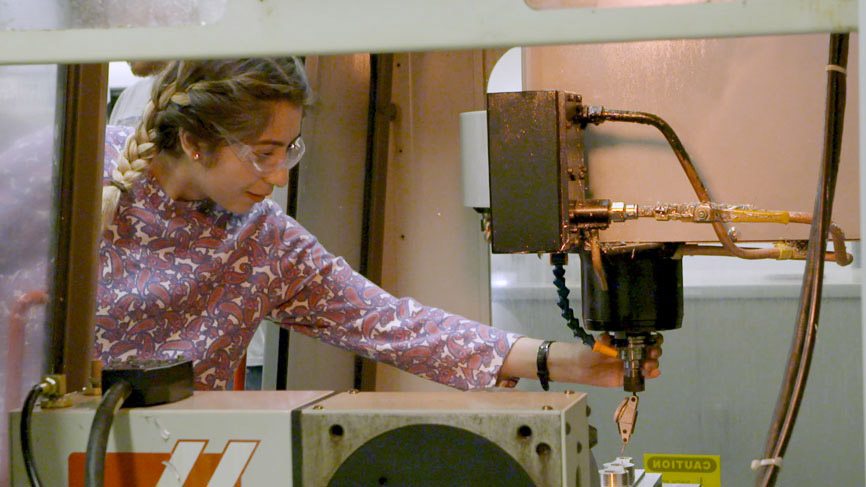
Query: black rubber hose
x: 26, y: 452
x: 567, y: 313
x: 794, y: 385
x: 97, y: 443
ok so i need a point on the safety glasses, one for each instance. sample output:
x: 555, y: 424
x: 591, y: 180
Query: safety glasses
x: 271, y: 159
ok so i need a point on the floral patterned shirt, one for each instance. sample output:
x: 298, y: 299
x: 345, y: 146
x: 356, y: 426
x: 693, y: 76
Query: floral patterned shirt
x: 187, y: 278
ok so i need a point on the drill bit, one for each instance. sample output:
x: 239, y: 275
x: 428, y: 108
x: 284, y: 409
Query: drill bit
x: 625, y: 417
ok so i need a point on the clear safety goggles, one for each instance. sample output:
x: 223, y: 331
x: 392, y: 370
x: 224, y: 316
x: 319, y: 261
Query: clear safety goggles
x: 271, y: 160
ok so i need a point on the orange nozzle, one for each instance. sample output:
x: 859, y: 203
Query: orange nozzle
x: 605, y: 349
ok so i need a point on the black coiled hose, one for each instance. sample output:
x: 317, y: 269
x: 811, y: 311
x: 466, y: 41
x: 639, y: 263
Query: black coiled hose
x: 97, y: 442
x: 26, y: 416
x: 563, y: 292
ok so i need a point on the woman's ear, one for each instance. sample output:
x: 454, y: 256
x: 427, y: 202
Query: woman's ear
x: 192, y: 146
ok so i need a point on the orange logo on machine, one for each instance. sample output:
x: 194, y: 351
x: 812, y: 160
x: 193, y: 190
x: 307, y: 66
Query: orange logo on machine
x: 185, y: 466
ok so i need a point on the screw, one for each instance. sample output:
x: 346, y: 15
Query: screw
x: 734, y: 233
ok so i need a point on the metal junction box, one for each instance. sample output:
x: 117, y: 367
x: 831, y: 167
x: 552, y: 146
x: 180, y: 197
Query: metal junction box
x: 534, y: 152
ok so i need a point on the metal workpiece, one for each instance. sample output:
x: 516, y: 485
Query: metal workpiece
x: 613, y: 472
x: 510, y: 438
x: 614, y: 476
x: 626, y: 464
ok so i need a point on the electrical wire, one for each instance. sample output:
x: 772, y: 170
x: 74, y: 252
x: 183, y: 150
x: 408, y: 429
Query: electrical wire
x: 26, y: 417
x: 97, y: 442
x: 802, y: 347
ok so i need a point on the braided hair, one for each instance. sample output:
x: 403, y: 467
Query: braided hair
x: 205, y: 99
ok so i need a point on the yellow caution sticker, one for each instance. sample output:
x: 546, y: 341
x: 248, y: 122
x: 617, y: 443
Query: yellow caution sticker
x: 702, y: 470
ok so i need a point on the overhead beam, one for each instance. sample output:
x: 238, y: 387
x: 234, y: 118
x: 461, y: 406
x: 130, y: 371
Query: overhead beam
x: 271, y: 27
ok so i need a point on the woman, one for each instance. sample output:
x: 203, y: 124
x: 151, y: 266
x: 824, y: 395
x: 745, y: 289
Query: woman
x: 194, y: 256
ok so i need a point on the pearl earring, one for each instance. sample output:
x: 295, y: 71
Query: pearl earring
x: 196, y: 156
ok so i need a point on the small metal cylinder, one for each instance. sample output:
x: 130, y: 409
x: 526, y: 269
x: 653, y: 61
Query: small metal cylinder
x: 620, y: 211
x: 613, y: 476
x: 632, y: 354
x: 627, y: 465
x: 590, y: 212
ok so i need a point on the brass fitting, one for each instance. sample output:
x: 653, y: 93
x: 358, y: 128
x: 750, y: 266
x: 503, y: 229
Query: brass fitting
x: 54, y: 390
x: 94, y: 386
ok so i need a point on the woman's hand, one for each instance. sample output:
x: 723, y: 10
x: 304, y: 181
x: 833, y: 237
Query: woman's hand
x: 575, y: 362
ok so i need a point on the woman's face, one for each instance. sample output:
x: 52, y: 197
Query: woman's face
x: 233, y: 182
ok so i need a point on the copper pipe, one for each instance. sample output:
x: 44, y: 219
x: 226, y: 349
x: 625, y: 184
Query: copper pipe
x: 595, y: 248
x: 15, y: 344
x: 631, y: 248
x: 842, y: 258
x: 692, y: 249
x: 686, y: 163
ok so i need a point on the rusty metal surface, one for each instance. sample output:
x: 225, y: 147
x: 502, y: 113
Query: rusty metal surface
x: 530, y: 153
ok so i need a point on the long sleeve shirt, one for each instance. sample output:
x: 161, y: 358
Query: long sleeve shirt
x: 187, y: 278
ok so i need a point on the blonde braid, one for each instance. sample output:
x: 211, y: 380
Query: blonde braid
x: 137, y: 152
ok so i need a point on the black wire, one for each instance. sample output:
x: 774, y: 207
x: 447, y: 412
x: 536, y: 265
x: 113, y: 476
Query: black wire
x: 97, y: 443
x: 567, y: 312
x: 26, y: 452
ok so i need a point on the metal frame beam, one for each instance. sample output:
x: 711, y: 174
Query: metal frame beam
x: 271, y: 27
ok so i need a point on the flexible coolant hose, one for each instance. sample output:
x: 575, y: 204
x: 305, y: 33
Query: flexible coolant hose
x: 97, y: 443
x: 26, y: 451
